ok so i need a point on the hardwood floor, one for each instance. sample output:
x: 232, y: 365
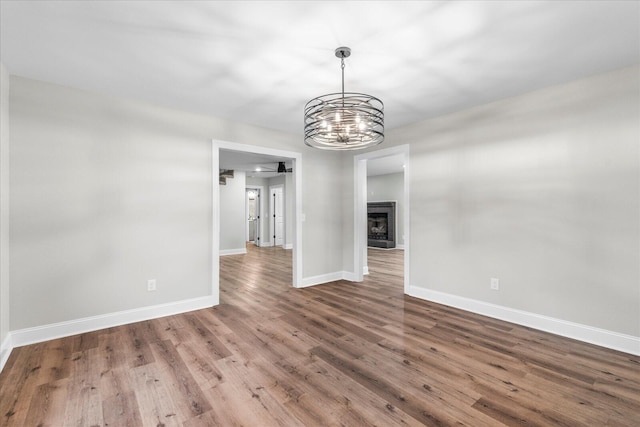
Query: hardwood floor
x: 337, y: 354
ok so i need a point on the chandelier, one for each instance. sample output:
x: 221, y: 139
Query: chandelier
x: 343, y: 121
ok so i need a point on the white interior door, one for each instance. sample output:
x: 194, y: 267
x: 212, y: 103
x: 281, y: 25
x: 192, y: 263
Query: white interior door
x: 277, y: 216
x: 252, y: 209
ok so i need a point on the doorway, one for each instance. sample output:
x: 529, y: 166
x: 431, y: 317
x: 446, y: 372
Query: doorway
x: 296, y: 229
x: 360, y: 246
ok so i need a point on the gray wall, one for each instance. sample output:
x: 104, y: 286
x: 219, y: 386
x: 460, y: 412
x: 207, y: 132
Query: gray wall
x: 232, y: 213
x: 390, y: 187
x: 347, y: 202
x: 4, y: 203
x: 107, y: 193
x: 539, y: 190
x: 323, y: 209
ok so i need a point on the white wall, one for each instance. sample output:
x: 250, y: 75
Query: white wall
x: 540, y: 191
x: 107, y: 193
x: 4, y: 207
x: 232, y: 213
x: 390, y: 187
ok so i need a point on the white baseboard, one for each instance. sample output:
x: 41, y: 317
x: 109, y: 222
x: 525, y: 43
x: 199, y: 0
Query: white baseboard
x: 350, y: 276
x: 288, y: 246
x: 365, y: 270
x: 239, y: 251
x: 589, y: 334
x: 5, y: 350
x: 73, y: 327
x: 326, y: 278
x: 329, y: 277
x: 400, y: 247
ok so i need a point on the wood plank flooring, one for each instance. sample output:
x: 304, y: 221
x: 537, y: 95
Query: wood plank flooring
x: 344, y: 353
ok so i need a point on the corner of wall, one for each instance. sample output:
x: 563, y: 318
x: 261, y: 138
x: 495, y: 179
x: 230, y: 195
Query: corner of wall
x: 5, y: 337
x: 5, y: 350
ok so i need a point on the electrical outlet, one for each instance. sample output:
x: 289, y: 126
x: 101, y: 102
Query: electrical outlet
x: 495, y: 284
x: 151, y: 285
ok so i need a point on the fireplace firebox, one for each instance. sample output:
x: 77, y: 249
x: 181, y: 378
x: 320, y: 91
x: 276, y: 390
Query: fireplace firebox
x: 381, y: 224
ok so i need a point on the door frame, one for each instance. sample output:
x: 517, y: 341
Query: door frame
x: 296, y: 158
x: 360, y: 210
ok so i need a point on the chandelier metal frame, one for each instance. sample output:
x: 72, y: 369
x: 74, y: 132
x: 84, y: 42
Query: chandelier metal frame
x: 345, y: 120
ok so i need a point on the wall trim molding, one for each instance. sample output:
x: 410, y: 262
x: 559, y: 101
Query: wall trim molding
x: 287, y: 246
x: 328, y: 277
x: 577, y: 331
x: 88, y: 324
x: 5, y: 350
x: 239, y: 251
x: 350, y: 275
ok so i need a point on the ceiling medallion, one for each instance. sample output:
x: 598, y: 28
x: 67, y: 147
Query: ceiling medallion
x: 343, y: 121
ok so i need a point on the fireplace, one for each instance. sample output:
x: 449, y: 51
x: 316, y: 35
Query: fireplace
x: 381, y: 224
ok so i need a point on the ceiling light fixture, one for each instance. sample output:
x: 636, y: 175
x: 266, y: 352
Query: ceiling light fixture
x: 343, y: 121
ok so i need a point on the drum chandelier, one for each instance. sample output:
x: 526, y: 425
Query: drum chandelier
x: 343, y: 121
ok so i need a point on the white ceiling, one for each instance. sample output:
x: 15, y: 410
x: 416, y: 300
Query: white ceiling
x: 260, y: 62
